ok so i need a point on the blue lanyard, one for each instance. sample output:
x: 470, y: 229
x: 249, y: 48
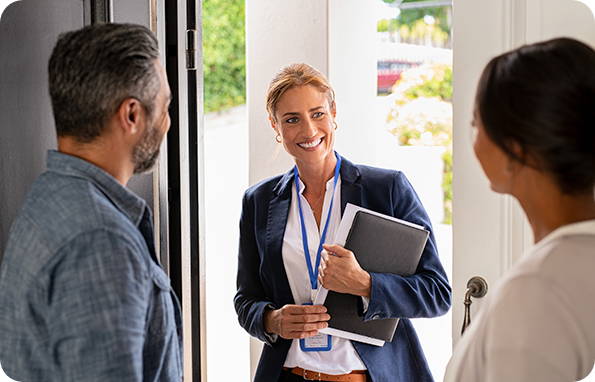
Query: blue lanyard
x: 313, y: 272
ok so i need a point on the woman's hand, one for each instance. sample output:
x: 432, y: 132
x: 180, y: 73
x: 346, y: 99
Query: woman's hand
x: 340, y: 272
x: 296, y: 321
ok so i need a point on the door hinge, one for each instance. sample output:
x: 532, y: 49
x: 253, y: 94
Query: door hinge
x: 102, y: 11
x: 191, y: 49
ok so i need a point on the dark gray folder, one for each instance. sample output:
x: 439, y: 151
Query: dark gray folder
x: 380, y: 245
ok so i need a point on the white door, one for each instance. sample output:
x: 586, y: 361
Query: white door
x: 490, y: 231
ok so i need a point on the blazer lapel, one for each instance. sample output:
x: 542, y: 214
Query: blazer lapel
x: 275, y: 231
x: 351, y: 189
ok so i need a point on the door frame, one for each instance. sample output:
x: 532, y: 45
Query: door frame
x: 184, y: 181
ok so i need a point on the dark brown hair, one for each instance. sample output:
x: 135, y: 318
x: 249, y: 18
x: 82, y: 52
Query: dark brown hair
x: 541, y: 99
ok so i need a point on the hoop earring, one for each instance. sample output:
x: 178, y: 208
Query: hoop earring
x: 278, y: 138
x: 335, y: 123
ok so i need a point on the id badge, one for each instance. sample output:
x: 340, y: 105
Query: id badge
x: 319, y: 342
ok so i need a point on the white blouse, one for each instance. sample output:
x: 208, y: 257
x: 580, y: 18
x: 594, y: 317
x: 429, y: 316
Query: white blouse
x: 342, y: 358
x: 539, y: 323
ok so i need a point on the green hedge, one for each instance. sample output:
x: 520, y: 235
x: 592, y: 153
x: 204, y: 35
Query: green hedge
x: 224, y: 54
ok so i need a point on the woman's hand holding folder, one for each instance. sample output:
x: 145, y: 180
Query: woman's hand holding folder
x: 340, y: 272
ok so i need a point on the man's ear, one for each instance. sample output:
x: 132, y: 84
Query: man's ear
x: 130, y: 114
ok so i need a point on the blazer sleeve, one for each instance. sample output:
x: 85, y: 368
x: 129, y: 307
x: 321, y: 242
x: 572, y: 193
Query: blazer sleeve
x: 427, y: 293
x: 250, y: 300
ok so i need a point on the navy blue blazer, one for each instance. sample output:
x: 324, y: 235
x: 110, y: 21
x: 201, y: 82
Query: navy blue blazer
x: 262, y: 281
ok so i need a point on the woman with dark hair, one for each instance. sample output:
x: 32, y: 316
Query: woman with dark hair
x: 286, y: 221
x: 535, y: 140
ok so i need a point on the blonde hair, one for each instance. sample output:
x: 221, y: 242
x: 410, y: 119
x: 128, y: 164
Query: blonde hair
x: 296, y: 75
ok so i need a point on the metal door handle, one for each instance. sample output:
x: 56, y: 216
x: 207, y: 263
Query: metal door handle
x: 476, y: 287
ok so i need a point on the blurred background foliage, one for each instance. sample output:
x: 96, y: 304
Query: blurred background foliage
x: 224, y: 54
x: 416, y: 26
x: 421, y: 115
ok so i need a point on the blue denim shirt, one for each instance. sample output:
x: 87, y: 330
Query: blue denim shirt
x: 82, y: 296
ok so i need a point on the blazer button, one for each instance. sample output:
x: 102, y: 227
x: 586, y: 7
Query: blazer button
x: 376, y: 317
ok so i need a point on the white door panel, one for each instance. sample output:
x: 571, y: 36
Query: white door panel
x: 477, y: 213
x: 490, y: 231
x: 554, y: 18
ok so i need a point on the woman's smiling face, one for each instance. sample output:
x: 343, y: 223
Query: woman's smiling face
x: 305, y: 121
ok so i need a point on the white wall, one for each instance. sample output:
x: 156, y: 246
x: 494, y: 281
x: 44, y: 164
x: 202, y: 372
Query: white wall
x: 278, y: 33
x: 352, y: 72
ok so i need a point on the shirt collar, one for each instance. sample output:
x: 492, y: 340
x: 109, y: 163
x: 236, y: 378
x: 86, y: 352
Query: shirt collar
x: 586, y: 227
x: 124, y: 199
x: 349, y: 175
x: 329, y: 184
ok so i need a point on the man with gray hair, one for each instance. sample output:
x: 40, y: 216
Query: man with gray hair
x: 82, y: 295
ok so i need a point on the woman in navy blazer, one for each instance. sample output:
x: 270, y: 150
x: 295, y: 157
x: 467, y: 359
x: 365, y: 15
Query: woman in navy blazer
x: 302, y: 109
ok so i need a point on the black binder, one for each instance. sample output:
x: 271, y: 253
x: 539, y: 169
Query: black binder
x: 380, y: 245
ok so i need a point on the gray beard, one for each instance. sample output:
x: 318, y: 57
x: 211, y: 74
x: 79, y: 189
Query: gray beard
x: 146, y: 152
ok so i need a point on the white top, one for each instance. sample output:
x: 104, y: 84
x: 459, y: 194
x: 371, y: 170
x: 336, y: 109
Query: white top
x: 539, y: 322
x: 342, y: 358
